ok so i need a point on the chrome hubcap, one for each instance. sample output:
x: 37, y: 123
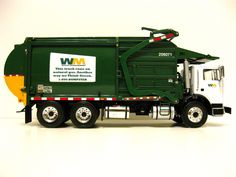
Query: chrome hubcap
x: 195, y: 114
x: 50, y: 114
x: 83, y: 115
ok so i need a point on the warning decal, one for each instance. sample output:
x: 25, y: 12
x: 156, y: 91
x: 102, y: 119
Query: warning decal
x: 72, y: 68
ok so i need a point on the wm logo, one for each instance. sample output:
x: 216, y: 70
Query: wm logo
x: 73, y: 61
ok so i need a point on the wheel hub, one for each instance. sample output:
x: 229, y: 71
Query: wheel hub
x: 83, y: 114
x: 50, y: 114
x: 195, y: 114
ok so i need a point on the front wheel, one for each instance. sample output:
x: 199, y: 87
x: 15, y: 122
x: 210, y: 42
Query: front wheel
x: 194, y: 114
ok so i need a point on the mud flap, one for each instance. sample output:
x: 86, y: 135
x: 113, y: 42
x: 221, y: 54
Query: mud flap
x: 28, y: 114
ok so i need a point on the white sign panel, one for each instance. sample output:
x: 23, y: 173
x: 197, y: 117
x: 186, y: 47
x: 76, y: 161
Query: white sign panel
x: 72, y: 68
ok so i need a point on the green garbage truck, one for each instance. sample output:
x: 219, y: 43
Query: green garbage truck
x: 82, y: 78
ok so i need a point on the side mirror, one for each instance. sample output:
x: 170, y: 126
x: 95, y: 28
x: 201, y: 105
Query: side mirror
x: 222, y: 72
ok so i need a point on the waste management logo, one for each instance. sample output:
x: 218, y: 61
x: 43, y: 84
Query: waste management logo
x: 72, y: 61
x: 72, y: 68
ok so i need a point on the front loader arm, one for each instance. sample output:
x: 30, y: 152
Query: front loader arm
x: 168, y: 34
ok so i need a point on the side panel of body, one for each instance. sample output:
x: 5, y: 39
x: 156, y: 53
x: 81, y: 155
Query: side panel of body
x: 105, y: 84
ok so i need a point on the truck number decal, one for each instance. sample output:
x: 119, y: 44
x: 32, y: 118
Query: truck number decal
x: 72, y: 68
x: 162, y: 54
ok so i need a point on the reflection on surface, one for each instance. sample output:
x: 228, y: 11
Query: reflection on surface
x: 137, y: 147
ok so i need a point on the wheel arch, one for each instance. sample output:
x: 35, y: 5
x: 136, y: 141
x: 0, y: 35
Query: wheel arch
x: 201, y: 99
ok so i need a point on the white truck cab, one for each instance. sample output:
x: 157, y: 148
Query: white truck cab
x: 208, y: 82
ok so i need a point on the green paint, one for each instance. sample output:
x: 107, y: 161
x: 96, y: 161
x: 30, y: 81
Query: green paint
x: 125, y: 66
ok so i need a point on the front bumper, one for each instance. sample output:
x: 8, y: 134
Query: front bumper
x: 219, y: 109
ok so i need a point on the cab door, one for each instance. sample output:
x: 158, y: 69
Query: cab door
x: 211, y: 85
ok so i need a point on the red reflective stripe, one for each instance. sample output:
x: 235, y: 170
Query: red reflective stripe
x: 63, y: 99
x: 77, y: 99
x: 37, y: 98
x: 90, y: 99
x: 73, y: 99
x: 50, y: 98
x: 169, y: 35
x: 142, y: 98
x: 156, y: 39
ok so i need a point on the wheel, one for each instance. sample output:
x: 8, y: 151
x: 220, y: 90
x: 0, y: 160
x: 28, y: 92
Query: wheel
x: 84, y: 115
x: 178, y: 119
x: 50, y: 114
x: 194, y: 114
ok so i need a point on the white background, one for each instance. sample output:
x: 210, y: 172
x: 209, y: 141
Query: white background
x: 205, y: 26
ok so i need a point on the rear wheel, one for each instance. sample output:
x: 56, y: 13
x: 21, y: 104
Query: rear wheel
x: 50, y: 114
x: 194, y: 114
x: 84, y: 115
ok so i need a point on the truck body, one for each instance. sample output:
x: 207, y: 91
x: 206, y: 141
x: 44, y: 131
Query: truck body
x: 81, y: 78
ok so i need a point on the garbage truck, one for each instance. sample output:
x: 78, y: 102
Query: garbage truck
x: 82, y: 78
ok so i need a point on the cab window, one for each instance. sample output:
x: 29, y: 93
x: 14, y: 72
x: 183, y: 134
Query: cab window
x: 211, y: 74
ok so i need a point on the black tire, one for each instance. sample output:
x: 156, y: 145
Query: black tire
x: 50, y: 114
x: 178, y: 119
x: 84, y: 115
x: 67, y: 113
x: 194, y: 114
